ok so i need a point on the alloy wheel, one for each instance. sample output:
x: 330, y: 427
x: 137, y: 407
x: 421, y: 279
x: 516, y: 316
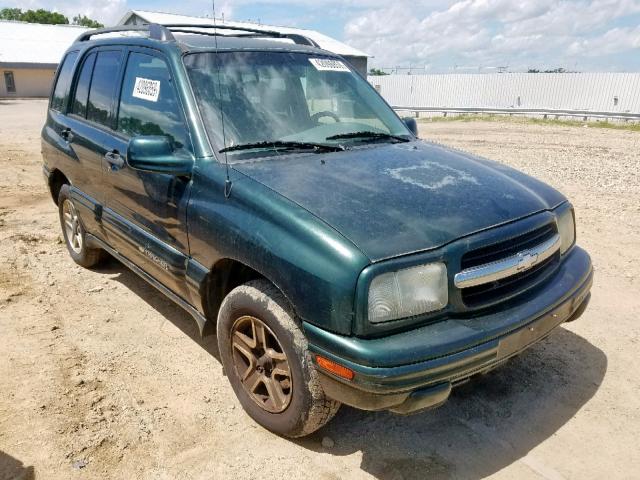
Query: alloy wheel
x: 261, y: 364
x: 72, y: 226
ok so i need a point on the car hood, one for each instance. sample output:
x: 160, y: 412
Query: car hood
x: 395, y: 199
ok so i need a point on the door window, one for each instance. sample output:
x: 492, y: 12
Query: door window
x: 61, y: 90
x: 82, y: 87
x: 103, y: 83
x: 9, y: 82
x: 149, y: 103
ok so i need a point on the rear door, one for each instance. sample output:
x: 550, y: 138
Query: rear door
x: 89, y: 128
x: 57, y: 150
x: 146, y: 212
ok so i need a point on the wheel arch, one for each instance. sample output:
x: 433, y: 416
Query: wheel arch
x: 56, y: 180
x: 225, y: 275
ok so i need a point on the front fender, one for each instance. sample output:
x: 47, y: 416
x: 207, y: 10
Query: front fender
x: 310, y: 262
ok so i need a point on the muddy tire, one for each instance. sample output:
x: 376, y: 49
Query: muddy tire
x: 74, y: 233
x: 265, y: 356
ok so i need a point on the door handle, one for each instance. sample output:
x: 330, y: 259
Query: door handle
x: 67, y: 134
x: 114, y: 159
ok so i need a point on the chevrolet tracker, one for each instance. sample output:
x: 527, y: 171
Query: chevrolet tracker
x: 262, y: 184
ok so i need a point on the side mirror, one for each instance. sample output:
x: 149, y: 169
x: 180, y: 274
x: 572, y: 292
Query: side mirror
x: 411, y: 124
x: 154, y: 153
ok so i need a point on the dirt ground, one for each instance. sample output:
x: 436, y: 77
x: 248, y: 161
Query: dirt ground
x: 102, y: 377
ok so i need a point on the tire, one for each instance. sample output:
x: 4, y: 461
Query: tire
x: 74, y: 233
x: 307, y: 408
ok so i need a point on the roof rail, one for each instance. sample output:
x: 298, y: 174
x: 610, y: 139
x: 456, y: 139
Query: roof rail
x: 163, y: 32
x: 188, y: 28
x: 156, y: 32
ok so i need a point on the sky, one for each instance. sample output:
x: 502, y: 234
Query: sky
x: 433, y: 35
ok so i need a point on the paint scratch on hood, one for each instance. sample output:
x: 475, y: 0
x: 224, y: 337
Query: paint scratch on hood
x: 431, y: 175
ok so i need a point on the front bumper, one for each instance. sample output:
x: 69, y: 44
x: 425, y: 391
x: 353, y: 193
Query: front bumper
x: 415, y: 370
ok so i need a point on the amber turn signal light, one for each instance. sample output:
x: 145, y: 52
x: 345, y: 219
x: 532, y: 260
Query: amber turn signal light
x: 334, y: 367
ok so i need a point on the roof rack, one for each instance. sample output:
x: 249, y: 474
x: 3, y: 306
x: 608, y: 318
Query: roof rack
x: 188, y: 28
x: 156, y: 32
x: 164, y: 32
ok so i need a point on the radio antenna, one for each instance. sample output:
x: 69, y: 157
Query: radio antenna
x: 227, y: 181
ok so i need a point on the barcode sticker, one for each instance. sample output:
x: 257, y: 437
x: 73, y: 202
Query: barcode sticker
x: 146, y: 89
x: 329, y: 64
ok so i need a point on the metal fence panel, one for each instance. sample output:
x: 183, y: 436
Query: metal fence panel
x: 592, y: 92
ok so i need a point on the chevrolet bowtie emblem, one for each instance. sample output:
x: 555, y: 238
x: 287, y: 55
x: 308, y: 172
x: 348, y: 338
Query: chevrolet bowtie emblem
x: 526, y: 260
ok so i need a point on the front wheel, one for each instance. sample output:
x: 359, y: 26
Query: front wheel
x: 265, y: 356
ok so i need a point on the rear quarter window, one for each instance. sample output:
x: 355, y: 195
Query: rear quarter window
x: 63, y: 82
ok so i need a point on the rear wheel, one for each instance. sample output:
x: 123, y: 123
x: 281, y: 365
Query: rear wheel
x: 266, y: 358
x: 74, y: 233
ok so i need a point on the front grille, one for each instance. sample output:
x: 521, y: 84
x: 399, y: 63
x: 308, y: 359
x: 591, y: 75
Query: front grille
x: 496, y: 291
x: 506, y: 248
x: 510, y: 286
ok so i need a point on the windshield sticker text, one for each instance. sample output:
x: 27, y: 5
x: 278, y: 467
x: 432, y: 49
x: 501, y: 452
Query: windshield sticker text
x: 328, y: 64
x: 146, y: 89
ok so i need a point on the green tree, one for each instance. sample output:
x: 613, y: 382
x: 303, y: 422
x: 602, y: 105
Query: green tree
x: 555, y: 70
x: 377, y: 71
x: 34, y: 16
x: 10, y: 14
x: 85, y: 21
x: 44, y: 16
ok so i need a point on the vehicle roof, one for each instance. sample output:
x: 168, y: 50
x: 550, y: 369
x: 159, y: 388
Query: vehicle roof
x: 325, y: 42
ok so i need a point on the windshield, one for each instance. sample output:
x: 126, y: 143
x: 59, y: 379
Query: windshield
x: 289, y: 98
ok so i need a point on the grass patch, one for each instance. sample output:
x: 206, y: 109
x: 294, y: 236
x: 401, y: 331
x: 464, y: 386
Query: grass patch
x: 519, y: 119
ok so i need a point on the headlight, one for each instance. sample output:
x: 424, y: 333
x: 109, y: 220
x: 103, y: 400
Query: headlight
x: 408, y: 292
x: 566, y: 229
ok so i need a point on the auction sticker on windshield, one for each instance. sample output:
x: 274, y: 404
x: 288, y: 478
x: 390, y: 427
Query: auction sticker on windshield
x: 146, y: 89
x: 329, y: 64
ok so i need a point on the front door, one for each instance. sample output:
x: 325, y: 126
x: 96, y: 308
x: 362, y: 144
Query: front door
x: 145, y: 214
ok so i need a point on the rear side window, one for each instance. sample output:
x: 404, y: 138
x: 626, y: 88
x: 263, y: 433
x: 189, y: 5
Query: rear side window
x: 61, y: 89
x: 149, y: 103
x: 103, y: 83
x: 82, y: 87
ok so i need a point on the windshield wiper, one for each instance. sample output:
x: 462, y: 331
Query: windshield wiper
x: 276, y: 144
x: 368, y: 134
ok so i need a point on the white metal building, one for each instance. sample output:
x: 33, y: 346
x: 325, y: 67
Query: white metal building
x: 606, y: 93
x: 356, y: 57
x: 29, y: 56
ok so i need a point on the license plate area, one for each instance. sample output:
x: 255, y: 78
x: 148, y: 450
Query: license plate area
x: 527, y: 335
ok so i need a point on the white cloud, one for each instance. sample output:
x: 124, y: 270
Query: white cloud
x: 613, y: 41
x: 224, y: 8
x: 518, y: 33
x: 105, y: 11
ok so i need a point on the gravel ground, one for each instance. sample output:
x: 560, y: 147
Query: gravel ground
x: 102, y: 377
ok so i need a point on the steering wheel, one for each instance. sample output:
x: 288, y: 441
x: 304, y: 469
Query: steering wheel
x: 319, y: 115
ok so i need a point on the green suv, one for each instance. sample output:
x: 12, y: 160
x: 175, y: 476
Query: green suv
x: 263, y: 185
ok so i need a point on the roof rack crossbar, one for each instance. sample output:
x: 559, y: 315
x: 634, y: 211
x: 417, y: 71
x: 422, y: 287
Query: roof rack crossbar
x: 296, y: 38
x: 156, y: 32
